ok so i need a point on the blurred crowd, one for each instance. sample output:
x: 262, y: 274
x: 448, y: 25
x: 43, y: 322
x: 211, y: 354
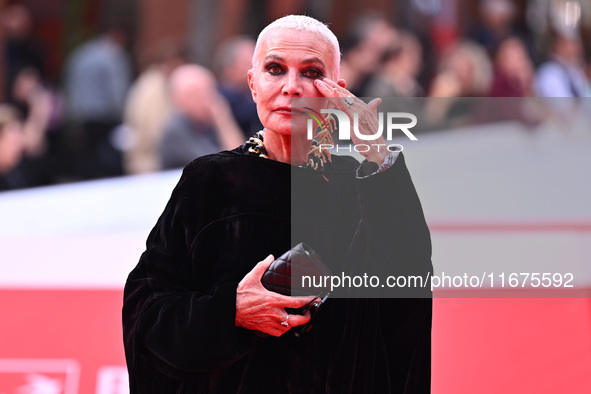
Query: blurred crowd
x: 109, y: 118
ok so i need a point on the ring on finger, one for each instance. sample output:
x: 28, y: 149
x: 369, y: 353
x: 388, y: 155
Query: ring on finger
x: 285, y: 323
x: 349, y: 100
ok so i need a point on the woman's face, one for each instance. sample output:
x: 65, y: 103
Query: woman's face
x: 286, y: 65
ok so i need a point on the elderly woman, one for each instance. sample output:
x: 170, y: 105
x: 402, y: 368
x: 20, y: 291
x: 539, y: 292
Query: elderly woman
x: 196, y: 317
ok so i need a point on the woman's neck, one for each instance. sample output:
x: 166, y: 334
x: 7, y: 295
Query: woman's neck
x: 286, y: 149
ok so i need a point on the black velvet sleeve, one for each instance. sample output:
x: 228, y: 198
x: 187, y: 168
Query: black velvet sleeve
x: 396, y: 227
x: 167, y: 321
x: 398, y: 243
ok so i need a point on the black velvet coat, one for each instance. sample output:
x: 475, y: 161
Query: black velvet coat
x: 228, y: 212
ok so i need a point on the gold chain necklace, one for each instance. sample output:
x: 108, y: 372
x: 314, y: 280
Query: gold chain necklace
x: 316, y: 156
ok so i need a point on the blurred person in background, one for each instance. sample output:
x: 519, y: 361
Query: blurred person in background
x: 563, y: 75
x: 232, y: 60
x: 202, y: 122
x: 98, y: 75
x: 397, y: 76
x: 12, y: 145
x: 38, y: 107
x: 363, y: 50
x: 513, y: 70
x: 465, y: 71
x: 513, y: 80
x: 497, y: 22
x: 147, y: 108
x: 20, y: 51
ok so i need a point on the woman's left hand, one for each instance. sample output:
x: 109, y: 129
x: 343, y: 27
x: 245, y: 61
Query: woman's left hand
x: 367, y: 113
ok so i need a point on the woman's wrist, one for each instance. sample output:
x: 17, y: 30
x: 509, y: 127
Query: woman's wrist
x: 377, y: 157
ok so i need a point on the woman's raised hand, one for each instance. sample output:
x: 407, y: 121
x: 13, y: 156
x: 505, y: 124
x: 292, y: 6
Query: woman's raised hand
x: 262, y: 310
x: 368, y: 116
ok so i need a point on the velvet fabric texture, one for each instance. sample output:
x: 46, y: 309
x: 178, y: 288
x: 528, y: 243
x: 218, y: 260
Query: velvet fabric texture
x: 227, y: 213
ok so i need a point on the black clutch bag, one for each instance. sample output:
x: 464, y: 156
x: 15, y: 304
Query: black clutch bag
x: 299, y: 272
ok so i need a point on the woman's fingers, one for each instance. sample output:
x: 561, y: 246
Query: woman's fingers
x: 374, y: 104
x: 325, y: 88
x: 255, y: 274
x: 298, y: 320
x: 262, y: 266
x: 295, y: 302
x: 262, y: 310
x: 366, y: 116
x: 335, y: 87
x: 331, y: 88
x: 288, y: 322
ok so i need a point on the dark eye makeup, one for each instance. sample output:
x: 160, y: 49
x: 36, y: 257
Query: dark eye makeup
x: 313, y: 73
x: 310, y: 72
x: 274, y: 69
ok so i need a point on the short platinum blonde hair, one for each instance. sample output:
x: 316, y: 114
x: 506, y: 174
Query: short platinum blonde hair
x: 301, y: 23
